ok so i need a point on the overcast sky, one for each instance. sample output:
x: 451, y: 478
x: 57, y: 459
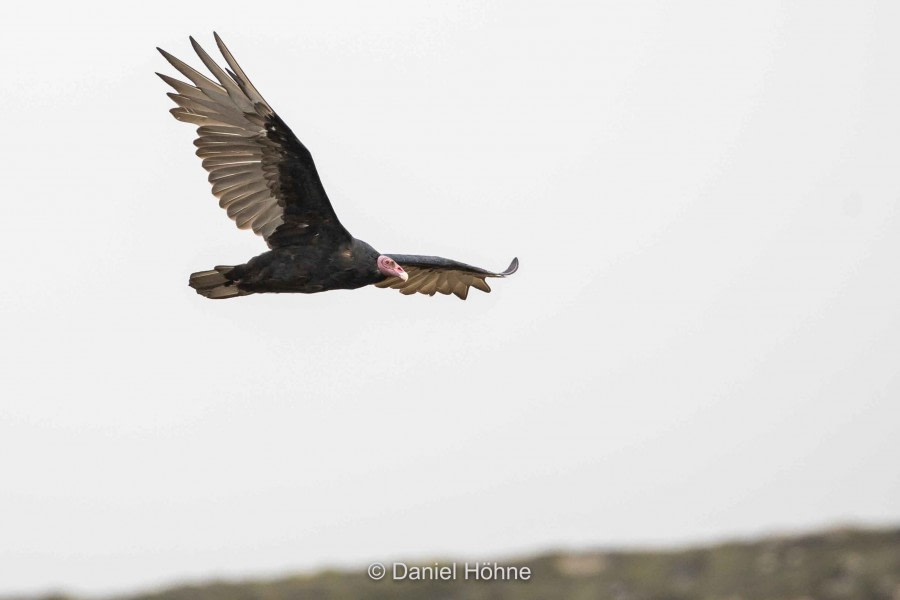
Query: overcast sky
x: 702, y: 341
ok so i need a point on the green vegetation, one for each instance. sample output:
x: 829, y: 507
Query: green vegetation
x: 847, y: 563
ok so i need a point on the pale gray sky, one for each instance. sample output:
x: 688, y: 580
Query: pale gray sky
x: 703, y: 339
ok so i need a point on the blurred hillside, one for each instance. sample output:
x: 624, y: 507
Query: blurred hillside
x: 837, y: 564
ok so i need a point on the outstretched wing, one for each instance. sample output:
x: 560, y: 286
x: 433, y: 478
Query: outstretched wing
x: 262, y: 174
x: 433, y: 274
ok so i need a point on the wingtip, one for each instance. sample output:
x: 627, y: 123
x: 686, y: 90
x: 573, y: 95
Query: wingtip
x: 171, y: 59
x: 512, y: 268
x: 221, y: 46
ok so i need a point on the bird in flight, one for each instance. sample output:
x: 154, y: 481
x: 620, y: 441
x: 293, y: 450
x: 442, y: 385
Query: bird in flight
x: 265, y: 179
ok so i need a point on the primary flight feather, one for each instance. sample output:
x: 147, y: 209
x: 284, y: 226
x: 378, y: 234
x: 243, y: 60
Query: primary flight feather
x: 265, y: 179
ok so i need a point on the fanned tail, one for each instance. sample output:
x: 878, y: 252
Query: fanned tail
x: 216, y: 284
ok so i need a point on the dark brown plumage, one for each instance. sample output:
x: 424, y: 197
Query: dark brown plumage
x: 266, y: 180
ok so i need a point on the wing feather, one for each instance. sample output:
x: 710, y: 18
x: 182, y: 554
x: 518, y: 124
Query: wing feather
x: 238, y: 73
x: 444, y: 286
x: 203, y: 83
x: 246, y: 217
x: 460, y: 289
x: 236, y: 205
x: 222, y: 172
x: 429, y: 284
x: 479, y: 283
x: 234, y: 92
x: 224, y: 130
x: 254, y: 155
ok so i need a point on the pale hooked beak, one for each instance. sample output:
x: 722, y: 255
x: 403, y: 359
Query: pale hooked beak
x: 403, y: 275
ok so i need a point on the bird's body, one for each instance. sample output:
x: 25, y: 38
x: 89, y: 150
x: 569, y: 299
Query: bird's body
x: 300, y: 269
x: 266, y: 180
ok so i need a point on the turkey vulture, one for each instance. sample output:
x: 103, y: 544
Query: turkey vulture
x: 265, y: 179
